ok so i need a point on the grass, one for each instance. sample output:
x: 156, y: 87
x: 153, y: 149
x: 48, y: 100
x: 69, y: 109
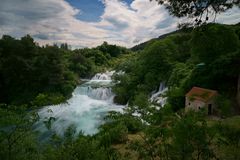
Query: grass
x: 233, y: 121
x: 124, y: 148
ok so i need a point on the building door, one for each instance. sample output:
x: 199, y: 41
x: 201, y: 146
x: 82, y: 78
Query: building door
x: 209, y: 109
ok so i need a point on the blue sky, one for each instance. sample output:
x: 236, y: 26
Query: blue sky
x: 87, y: 23
x: 89, y: 11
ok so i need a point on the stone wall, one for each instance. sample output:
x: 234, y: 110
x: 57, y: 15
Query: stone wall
x: 196, y: 105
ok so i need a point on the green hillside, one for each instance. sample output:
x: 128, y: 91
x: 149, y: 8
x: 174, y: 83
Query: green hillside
x: 208, y: 56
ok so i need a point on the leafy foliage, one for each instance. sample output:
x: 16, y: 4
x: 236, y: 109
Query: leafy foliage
x: 27, y: 70
x: 201, y: 10
x: 207, y: 57
x: 47, y: 75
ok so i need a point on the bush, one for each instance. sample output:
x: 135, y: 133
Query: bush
x: 116, y: 133
x: 47, y: 99
x: 224, y: 106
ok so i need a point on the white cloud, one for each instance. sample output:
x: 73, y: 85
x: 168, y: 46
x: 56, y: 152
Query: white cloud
x: 230, y: 17
x: 54, y: 21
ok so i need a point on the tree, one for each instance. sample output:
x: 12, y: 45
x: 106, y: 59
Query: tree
x: 201, y: 10
x: 27, y: 69
x: 17, y: 139
x: 217, y: 46
x: 213, y: 41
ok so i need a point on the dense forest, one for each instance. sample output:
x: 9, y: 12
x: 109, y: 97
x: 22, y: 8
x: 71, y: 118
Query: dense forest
x: 207, y: 56
x: 32, y: 76
x: 48, y: 74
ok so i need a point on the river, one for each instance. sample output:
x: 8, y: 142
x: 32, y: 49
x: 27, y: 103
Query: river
x: 86, y: 109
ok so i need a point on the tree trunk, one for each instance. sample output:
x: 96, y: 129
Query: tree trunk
x: 238, y: 91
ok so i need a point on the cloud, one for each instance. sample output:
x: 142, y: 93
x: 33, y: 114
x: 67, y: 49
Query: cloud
x: 139, y: 20
x: 49, y: 21
x: 231, y: 16
x: 54, y: 21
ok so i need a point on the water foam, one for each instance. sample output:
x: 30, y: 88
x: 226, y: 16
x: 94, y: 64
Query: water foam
x: 158, y: 96
x: 86, y: 109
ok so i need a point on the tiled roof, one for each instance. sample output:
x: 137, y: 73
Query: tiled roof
x: 201, y: 94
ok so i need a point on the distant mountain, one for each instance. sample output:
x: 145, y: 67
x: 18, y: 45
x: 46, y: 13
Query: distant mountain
x: 141, y: 46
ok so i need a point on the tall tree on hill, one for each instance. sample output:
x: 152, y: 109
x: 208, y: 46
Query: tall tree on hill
x: 200, y: 10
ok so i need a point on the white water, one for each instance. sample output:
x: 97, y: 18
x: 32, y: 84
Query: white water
x: 86, y: 109
x: 158, y: 96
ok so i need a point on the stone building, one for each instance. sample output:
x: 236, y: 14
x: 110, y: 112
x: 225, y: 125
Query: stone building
x: 198, y: 98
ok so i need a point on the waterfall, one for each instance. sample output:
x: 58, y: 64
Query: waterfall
x: 158, y: 96
x: 102, y: 93
x: 103, y: 76
x: 86, y: 109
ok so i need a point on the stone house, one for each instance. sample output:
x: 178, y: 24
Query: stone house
x: 198, y: 98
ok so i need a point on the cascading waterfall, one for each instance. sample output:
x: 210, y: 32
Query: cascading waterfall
x: 158, y: 97
x: 103, y: 76
x: 86, y: 109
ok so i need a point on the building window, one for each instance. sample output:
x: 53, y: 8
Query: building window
x: 189, y: 103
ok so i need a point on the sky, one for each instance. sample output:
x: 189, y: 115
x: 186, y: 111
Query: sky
x: 87, y: 23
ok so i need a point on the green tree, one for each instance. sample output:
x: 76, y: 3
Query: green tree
x: 201, y: 10
x: 17, y: 140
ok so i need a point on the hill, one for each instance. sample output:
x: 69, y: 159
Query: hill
x: 141, y: 46
x: 173, y: 58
